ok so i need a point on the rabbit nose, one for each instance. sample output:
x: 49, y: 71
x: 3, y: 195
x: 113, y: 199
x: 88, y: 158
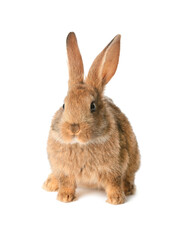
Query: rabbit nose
x: 75, y: 128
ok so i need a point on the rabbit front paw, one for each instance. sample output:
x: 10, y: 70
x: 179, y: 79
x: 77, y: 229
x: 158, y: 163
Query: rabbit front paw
x: 51, y: 184
x: 116, y: 198
x: 66, y: 196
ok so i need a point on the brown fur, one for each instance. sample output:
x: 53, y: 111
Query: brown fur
x: 96, y: 149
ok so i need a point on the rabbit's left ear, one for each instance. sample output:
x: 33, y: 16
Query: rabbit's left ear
x: 104, y: 65
x: 75, y: 63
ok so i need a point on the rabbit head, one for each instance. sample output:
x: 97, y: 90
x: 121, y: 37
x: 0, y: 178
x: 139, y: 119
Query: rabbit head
x: 85, y: 117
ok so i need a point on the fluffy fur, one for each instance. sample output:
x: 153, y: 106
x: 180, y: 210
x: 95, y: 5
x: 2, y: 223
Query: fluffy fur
x: 96, y: 149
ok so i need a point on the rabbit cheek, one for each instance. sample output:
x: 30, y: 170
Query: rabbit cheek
x: 65, y: 133
x: 84, y: 137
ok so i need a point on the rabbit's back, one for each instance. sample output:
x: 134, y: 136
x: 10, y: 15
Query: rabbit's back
x: 127, y: 138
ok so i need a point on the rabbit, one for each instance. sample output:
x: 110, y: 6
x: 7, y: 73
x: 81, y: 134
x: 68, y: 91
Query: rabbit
x: 91, y: 142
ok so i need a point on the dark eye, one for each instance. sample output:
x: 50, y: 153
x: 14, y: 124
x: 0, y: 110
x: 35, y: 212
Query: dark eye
x: 63, y: 106
x: 93, y: 107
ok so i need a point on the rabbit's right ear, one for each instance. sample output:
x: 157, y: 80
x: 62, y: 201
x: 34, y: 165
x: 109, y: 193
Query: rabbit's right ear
x: 75, y: 64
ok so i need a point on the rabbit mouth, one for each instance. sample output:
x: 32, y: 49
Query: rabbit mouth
x: 80, y: 139
x: 74, y: 140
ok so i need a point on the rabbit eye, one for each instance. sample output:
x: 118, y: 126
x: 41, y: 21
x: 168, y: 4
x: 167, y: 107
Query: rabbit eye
x: 63, y: 106
x: 93, y: 107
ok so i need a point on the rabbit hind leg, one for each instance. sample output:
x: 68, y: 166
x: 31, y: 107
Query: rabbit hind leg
x: 129, y: 186
x: 134, y: 164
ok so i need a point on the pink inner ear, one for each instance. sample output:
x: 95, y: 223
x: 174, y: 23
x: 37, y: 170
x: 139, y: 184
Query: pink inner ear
x: 111, y: 62
x: 105, y: 64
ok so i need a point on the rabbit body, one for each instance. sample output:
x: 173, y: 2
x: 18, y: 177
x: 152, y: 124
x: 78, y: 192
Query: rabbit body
x: 91, y: 148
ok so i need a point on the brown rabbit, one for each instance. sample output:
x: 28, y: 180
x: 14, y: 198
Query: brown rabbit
x: 91, y: 141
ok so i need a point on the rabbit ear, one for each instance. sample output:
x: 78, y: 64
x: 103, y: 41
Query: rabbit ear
x: 104, y: 65
x: 75, y: 64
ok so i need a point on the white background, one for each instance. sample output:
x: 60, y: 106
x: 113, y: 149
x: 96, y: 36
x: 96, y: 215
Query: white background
x: 148, y: 87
